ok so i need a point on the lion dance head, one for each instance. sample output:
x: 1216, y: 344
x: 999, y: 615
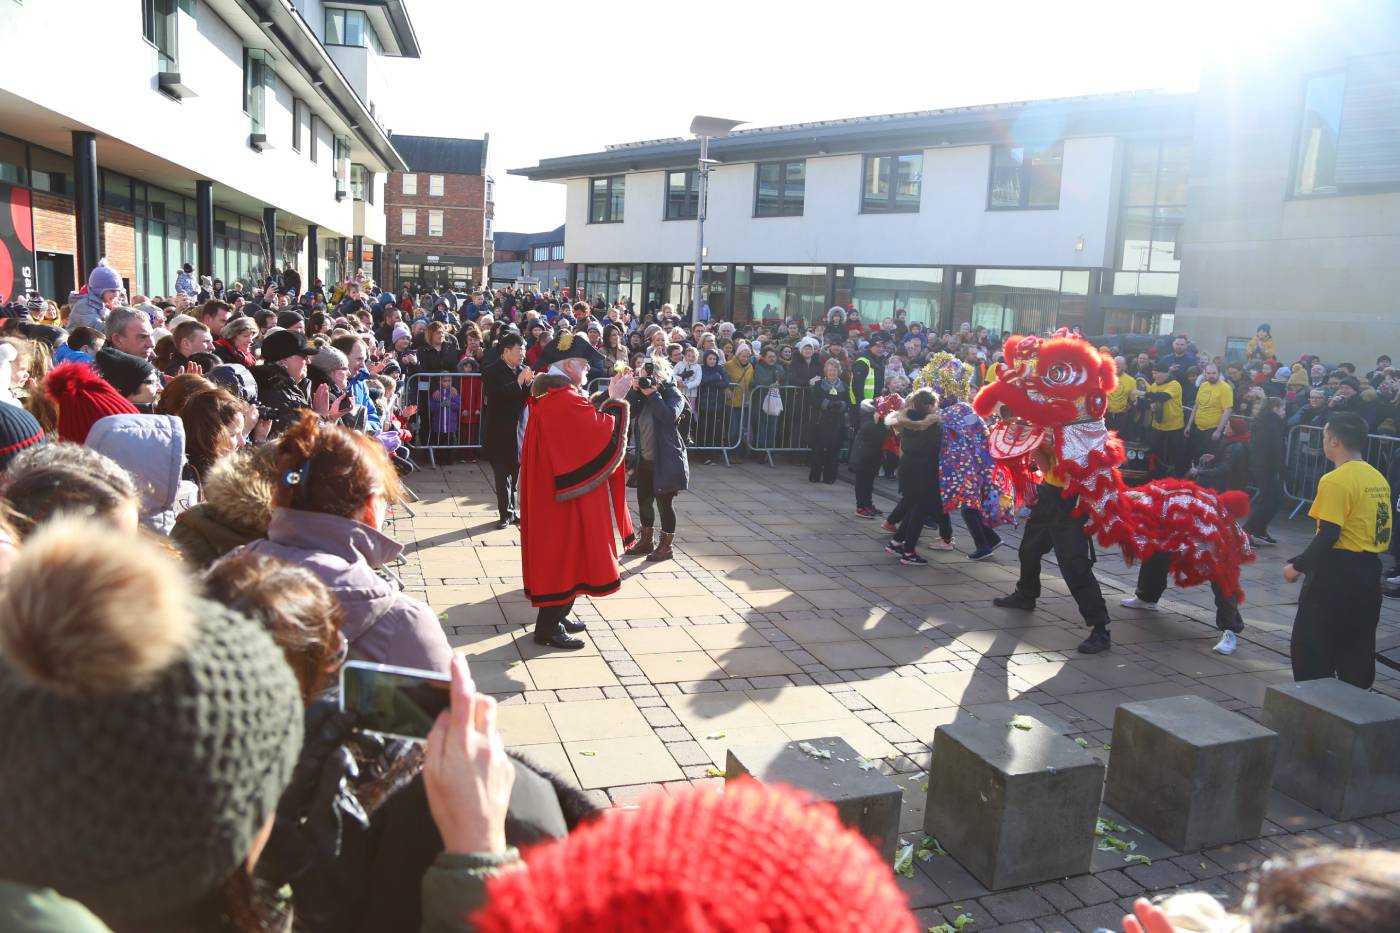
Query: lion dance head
x: 1050, y: 381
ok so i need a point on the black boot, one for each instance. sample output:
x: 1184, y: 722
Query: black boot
x: 573, y: 626
x: 1016, y: 600
x: 561, y: 641
x: 1097, y: 641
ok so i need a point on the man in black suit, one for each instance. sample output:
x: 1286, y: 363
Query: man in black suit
x: 505, y: 385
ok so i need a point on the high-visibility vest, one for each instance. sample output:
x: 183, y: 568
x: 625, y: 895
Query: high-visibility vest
x: 869, y: 385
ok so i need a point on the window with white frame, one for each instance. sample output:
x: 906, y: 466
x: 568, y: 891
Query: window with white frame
x: 408, y: 223
x: 434, y: 186
x: 410, y: 184
x: 434, y: 223
x: 556, y: 253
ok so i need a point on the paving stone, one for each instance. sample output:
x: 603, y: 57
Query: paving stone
x: 1121, y: 884
x: 688, y: 753
x: 1011, y: 906
x: 580, y: 693
x: 1059, y: 896
x: 661, y: 716
x: 1103, y: 916
x: 1159, y: 875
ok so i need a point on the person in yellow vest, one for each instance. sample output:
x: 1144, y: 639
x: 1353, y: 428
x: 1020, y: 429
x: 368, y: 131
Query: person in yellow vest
x: 1168, y: 419
x: 1214, y: 400
x: 1334, y: 632
x: 1120, y: 400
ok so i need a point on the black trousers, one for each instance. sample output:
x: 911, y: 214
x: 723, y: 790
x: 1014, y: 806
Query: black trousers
x: 1265, y: 505
x: 1199, y: 442
x: 1334, y: 632
x: 507, y: 478
x: 865, y: 485
x: 826, y: 450
x: 549, y: 619
x: 1152, y: 583
x: 982, y: 535
x: 912, y: 513
x: 1167, y: 446
x: 1052, y: 526
x: 648, y: 502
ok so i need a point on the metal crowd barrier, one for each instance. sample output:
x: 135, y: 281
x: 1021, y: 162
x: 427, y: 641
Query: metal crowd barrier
x: 449, y: 412
x: 714, y: 425
x: 794, y: 429
x: 1305, y: 463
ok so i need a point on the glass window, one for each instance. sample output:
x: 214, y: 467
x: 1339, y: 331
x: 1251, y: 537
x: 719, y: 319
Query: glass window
x: 556, y: 253
x: 410, y: 184
x: 298, y: 115
x: 335, y: 27
x: 158, y: 24
x: 1024, y: 301
x: 116, y: 191
x: 605, y: 199
x: 539, y: 254
x: 1155, y: 179
x: 683, y: 195
x: 434, y: 186
x: 13, y: 167
x: 258, y: 86
x: 434, y: 223
x: 315, y: 142
x: 408, y: 223
x: 781, y: 187
x: 892, y: 183
x: 1315, y: 163
x: 50, y: 171
x: 877, y: 291
x: 1025, y: 176
x: 361, y: 183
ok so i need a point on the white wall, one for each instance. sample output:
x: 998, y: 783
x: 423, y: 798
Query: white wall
x: 952, y: 226
x: 204, y: 136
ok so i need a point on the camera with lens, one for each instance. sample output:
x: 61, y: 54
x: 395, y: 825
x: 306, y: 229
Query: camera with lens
x: 648, y: 379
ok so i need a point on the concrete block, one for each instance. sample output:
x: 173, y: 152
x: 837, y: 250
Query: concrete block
x: 1014, y: 806
x: 1189, y: 772
x: 865, y: 800
x: 1339, y: 747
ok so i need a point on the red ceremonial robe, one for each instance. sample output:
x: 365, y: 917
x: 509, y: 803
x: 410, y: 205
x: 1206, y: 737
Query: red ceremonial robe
x: 572, y: 487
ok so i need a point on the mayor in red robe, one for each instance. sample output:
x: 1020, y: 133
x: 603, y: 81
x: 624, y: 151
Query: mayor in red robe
x: 572, y: 491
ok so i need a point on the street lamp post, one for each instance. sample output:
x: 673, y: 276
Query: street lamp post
x: 706, y: 128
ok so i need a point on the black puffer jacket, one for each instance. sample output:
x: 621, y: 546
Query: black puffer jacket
x: 920, y: 436
x: 283, y: 397
x: 869, y: 439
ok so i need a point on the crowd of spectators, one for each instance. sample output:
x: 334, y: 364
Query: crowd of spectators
x: 194, y: 496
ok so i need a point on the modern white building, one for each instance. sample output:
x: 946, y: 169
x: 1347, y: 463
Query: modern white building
x: 1012, y: 216
x: 236, y: 135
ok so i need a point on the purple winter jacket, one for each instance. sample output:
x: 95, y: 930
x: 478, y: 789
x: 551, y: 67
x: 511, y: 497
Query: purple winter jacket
x: 382, y: 624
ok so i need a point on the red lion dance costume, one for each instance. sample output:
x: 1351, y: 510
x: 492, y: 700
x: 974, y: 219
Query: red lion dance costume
x: 1057, y: 388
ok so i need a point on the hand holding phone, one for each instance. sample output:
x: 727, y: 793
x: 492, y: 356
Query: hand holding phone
x: 466, y: 773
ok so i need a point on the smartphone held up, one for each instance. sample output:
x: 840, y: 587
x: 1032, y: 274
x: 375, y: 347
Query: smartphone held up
x: 398, y: 702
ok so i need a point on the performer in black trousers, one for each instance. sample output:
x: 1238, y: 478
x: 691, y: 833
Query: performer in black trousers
x: 505, y: 387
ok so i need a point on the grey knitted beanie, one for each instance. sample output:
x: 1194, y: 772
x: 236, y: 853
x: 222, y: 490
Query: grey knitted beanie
x: 139, y: 764
x: 328, y: 358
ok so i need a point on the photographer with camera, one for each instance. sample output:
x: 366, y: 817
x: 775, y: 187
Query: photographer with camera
x: 659, y: 412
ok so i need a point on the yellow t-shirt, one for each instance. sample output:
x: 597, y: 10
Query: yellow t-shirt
x: 1172, y: 418
x: 1212, y: 398
x: 1122, y: 394
x: 1356, y: 497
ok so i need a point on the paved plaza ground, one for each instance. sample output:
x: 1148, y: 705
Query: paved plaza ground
x: 782, y: 618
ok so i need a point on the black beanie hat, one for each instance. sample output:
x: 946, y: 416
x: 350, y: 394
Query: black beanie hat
x: 125, y: 371
x: 289, y: 319
x: 18, y: 431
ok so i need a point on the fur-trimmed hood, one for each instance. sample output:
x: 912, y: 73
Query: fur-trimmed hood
x: 239, y: 492
x: 901, y: 421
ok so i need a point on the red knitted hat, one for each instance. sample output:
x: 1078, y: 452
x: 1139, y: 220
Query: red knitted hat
x: 83, y: 398
x: 752, y: 858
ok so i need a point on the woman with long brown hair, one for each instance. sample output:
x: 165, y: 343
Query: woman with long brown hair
x: 213, y: 427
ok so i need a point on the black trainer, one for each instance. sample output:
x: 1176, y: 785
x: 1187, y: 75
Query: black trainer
x: 1097, y: 641
x: 1016, y: 600
x: 912, y: 559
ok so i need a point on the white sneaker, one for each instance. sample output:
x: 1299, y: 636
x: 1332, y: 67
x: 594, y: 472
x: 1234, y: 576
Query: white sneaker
x: 1227, y: 643
x: 1393, y: 581
x: 1132, y: 602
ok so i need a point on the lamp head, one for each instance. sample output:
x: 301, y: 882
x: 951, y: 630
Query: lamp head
x: 714, y: 126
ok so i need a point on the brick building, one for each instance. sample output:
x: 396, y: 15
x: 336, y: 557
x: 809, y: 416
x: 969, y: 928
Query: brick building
x: 530, y: 258
x: 439, y: 212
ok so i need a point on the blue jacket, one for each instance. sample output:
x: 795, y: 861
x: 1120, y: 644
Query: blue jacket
x: 359, y: 391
